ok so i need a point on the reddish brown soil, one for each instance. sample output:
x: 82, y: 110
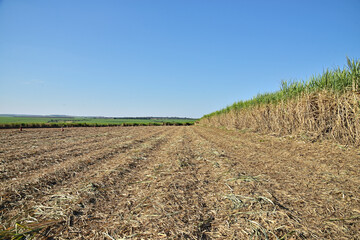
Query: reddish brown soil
x: 177, y: 183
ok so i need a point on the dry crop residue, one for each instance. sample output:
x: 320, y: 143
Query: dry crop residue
x: 175, y: 182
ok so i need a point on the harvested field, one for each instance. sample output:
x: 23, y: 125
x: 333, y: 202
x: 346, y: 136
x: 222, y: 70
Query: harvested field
x: 167, y: 182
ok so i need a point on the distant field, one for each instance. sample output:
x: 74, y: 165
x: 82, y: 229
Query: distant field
x: 8, y: 122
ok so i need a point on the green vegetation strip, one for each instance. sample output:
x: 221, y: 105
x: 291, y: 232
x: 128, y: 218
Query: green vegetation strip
x: 53, y: 122
x: 336, y: 81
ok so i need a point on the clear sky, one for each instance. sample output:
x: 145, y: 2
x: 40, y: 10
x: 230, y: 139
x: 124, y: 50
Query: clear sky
x: 181, y: 58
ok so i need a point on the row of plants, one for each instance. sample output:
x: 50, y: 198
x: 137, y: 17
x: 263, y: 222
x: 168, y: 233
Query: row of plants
x: 59, y: 125
x: 335, y: 80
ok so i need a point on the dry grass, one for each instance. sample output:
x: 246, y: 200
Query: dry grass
x: 176, y: 183
x: 321, y: 115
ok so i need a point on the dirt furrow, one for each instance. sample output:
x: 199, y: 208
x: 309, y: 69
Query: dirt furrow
x: 313, y: 193
x: 183, y: 183
x: 168, y: 198
x: 48, y: 159
x: 17, y: 193
x: 10, y: 138
x: 27, y: 149
x: 332, y: 156
x: 91, y: 199
x: 171, y: 203
x: 100, y: 148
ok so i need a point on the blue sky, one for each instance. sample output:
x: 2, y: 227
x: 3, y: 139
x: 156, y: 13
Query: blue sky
x: 164, y: 58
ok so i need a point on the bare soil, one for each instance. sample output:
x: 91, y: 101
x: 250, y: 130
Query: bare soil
x: 176, y: 183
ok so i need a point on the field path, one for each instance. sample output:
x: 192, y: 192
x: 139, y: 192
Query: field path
x: 177, y: 183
